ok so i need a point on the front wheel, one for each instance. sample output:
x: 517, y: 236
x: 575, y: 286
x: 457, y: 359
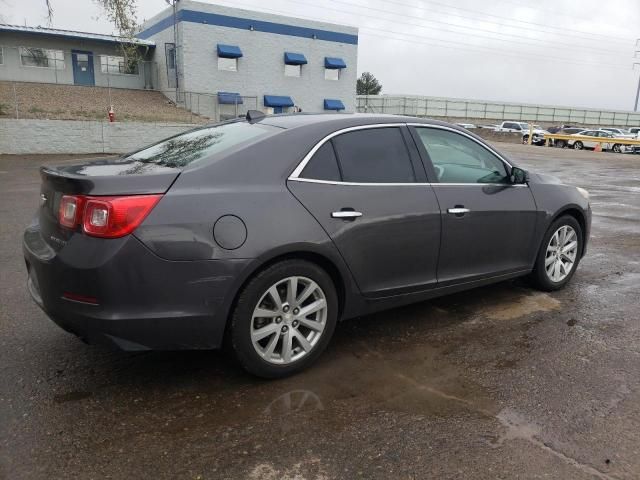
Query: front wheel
x: 559, y: 254
x: 617, y: 148
x: 284, y: 319
x: 578, y: 145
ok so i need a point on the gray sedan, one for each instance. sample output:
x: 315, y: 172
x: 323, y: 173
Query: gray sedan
x: 265, y: 232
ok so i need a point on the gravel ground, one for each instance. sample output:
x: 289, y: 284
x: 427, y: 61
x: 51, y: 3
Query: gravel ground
x: 498, y: 382
x: 74, y: 102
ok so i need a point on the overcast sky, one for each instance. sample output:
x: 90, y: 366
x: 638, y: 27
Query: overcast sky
x: 553, y: 52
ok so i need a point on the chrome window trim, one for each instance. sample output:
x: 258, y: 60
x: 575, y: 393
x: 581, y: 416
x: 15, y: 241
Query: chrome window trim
x: 295, y: 175
x: 422, y: 184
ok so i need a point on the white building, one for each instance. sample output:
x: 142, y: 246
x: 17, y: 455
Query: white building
x: 268, y: 62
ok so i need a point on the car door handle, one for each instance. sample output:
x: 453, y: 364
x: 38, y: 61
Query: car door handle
x: 346, y: 214
x: 458, y: 210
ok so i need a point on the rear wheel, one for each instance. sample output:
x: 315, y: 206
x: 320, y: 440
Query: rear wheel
x: 559, y: 254
x: 561, y: 143
x: 284, y: 319
x: 525, y: 139
x: 617, y: 148
x: 578, y: 145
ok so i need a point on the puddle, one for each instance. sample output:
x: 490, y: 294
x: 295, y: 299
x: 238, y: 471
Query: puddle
x: 520, y: 306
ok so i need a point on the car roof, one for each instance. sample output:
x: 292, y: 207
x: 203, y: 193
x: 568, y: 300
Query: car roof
x: 342, y: 120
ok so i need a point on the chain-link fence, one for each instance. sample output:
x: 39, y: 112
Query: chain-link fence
x: 492, y: 112
x: 208, y: 105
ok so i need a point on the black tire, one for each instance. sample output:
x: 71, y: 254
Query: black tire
x: 616, y: 148
x: 578, y: 145
x: 539, y: 276
x: 240, y: 327
x: 525, y: 139
x: 561, y: 143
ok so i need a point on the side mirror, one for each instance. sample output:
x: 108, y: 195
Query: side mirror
x: 518, y: 176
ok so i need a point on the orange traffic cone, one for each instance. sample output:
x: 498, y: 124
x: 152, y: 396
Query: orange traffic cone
x: 598, y: 148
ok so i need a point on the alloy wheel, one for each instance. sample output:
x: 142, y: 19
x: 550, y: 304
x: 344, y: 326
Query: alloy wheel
x: 561, y: 253
x: 288, y: 320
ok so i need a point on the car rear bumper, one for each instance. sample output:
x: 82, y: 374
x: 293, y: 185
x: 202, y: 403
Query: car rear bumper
x: 125, y: 295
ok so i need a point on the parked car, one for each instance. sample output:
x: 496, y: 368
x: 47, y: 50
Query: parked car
x: 489, y: 127
x: 523, y: 128
x: 566, y: 131
x: 581, y: 143
x: 619, y: 132
x: 269, y: 230
x: 634, y: 131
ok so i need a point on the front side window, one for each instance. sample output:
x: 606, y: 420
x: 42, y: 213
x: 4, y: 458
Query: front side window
x: 228, y: 64
x: 332, y: 74
x: 119, y: 65
x: 374, y: 155
x: 42, y: 57
x: 323, y: 165
x: 458, y: 159
x: 292, y: 70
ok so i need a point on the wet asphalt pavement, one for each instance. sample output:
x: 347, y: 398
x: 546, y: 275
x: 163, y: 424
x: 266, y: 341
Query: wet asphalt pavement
x: 499, y: 382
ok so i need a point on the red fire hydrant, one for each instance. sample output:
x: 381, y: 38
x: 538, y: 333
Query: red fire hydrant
x: 112, y: 114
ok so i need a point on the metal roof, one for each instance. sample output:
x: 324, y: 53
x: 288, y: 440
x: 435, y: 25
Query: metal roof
x: 74, y: 35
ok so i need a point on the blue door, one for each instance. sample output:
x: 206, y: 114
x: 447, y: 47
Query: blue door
x: 82, y: 67
x: 277, y: 109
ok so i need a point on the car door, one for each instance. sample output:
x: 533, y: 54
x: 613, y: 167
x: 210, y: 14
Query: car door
x: 605, y: 134
x: 367, y: 188
x: 488, y: 224
x: 590, y: 143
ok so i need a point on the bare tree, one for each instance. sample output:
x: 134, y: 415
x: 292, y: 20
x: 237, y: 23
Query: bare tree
x: 123, y: 15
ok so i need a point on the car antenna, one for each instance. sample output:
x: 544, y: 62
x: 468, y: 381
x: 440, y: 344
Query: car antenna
x: 254, y: 116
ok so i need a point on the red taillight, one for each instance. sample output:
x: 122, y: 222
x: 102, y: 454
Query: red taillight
x: 107, y: 217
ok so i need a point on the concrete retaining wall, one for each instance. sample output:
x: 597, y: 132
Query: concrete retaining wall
x: 71, y: 136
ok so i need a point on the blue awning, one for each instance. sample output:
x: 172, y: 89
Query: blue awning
x: 330, y: 104
x: 294, y: 58
x: 229, y: 51
x: 334, y: 63
x: 229, y: 98
x: 277, y: 101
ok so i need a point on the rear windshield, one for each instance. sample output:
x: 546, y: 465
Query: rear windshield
x: 194, y: 145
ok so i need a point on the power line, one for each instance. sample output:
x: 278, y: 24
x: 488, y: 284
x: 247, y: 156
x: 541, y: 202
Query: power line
x: 450, y: 44
x: 527, y: 58
x: 564, y: 29
x: 593, y: 50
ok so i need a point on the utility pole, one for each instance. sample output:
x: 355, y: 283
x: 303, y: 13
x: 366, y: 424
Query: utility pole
x: 635, y: 55
x: 174, y: 4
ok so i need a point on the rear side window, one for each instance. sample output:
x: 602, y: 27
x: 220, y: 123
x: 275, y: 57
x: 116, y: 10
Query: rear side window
x: 194, y: 145
x: 323, y: 165
x: 375, y: 155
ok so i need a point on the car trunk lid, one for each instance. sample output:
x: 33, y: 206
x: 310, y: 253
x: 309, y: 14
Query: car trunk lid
x: 108, y: 177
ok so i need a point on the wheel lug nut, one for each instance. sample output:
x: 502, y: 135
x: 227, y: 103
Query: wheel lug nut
x: 285, y: 328
x: 278, y: 319
x: 295, y: 311
x: 286, y: 308
x: 295, y: 323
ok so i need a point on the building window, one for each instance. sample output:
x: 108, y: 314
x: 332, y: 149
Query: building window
x: 170, y: 56
x: 42, y: 57
x: 292, y: 70
x: 228, y: 64
x: 331, y: 74
x: 119, y: 65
